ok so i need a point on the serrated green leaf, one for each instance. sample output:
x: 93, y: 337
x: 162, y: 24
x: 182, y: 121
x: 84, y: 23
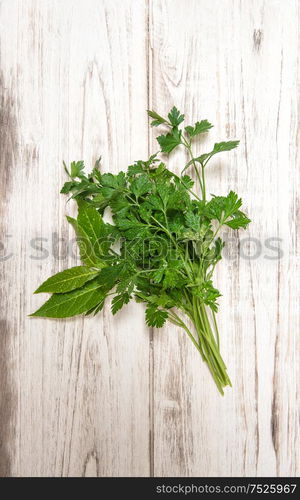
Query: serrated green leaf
x: 67, y: 280
x: 219, y: 147
x: 155, y: 317
x: 199, y: 128
x: 68, y: 186
x: 158, y: 275
x: 225, y: 146
x: 113, y: 181
x: 171, y: 278
x: 178, y: 200
x: 232, y: 204
x: 137, y: 233
x: 223, y: 207
x: 157, y: 119
x: 141, y: 185
x: 155, y: 202
x: 160, y: 172
x: 192, y: 221
x: 175, y: 117
x: 169, y: 141
x: 135, y: 169
x: 145, y: 212
x: 110, y: 275
x: 187, y: 181
x: 79, y: 301
x: 96, y: 169
x: 119, y: 203
x: 208, y: 293
x: 176, y: 222
x: 238, y: 222
x: 128, y: 222
x: 215, y: 208
x: 163, y: 190
x: 77, y: 168
x: 218, y: 247
x: 119, y: 301
x: 163, y: 299
x: 109, y: 180
x: 126, y: 285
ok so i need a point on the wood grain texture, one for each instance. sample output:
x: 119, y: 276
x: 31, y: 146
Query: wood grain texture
x: 82, y: 406
x: 236, y: 63
x: 8, y: 399
x: 105, y: 396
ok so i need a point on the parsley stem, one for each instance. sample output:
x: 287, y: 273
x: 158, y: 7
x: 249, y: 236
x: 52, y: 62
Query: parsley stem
x: 188, y: 189
x: 189, y: 148
x: 209, y: 344
x: 211, y: 340
x: 216, y: 329
x: 203, y: 183
x: 179, y: 322
x: 208, y: 354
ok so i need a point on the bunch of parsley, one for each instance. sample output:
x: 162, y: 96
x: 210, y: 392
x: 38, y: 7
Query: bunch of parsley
x: 162, y: 247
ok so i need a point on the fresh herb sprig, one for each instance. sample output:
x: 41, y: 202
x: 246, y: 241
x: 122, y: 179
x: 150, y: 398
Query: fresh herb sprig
x: 162, y: 247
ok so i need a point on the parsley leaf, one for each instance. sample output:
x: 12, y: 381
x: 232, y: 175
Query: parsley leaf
x: 77, y: 169
x: 175, y: 117
x: 225, y: 146
x: 119, y: 301
x: 141, y: 185
x: 155, y: 317
x: 199, y: 128
x: 169, y: 141
x: 187, y: 181
x: 157, y: 119
x: 219, y: 147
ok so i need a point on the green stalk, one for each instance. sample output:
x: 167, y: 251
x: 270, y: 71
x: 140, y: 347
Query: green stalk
x: 189, y: 148
x: 209, y: 345
x: 216, y: 329
x: 174, y: 318
x: 203, y: 183
x: 209, y: 359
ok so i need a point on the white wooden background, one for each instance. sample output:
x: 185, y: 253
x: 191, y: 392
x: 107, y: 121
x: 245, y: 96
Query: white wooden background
x: 105, y: 396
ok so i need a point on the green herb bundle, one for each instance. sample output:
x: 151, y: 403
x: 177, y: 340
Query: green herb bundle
x: 162, y: 247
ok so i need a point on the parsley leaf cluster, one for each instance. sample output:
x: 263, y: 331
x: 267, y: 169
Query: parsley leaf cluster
x: 163, y: 244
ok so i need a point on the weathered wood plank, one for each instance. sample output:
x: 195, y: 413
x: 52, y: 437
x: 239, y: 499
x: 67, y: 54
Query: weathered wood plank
x: 236, y: 63
x: 8, y: 395
x: 77, y: 76
x: 80, y: 397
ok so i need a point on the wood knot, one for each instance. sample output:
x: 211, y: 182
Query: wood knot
x: 257, y: 39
